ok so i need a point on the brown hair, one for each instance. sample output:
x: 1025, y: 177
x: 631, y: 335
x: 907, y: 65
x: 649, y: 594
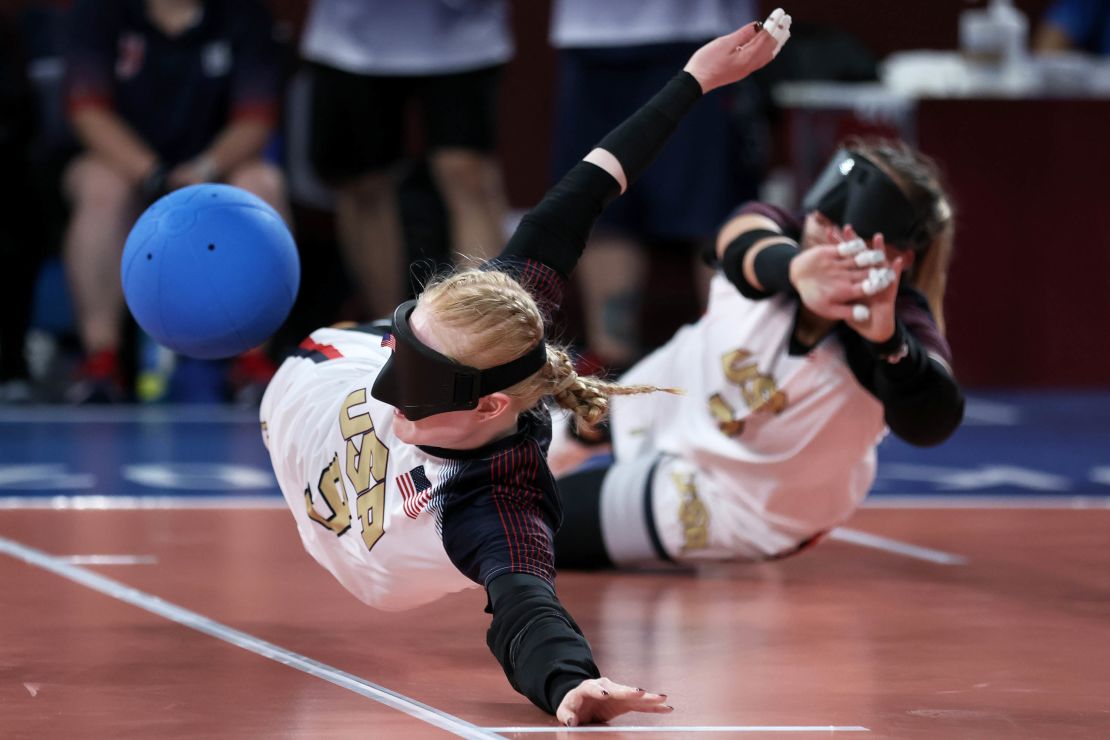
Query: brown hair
x: 496, y: 320
x: 921, y: 180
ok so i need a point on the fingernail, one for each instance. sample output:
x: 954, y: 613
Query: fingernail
x: 759, y: 25
x: 605, y: 692
x: 668, y: 706
x: 642, y: 690
x: 571, y: 722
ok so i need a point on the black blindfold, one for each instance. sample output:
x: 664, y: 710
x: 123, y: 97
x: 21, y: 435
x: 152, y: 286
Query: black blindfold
x: 854, y: 190
x: 421, y: 382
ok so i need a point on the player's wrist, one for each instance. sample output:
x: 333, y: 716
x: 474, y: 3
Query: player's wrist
x: 893, y: 349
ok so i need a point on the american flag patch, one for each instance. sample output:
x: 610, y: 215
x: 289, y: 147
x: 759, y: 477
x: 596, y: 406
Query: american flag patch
x: 388, y: 340
x: 416, y: 491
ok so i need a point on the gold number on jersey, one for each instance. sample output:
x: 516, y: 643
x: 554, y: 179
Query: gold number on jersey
x: 365, y: 462
x: 334, y: 496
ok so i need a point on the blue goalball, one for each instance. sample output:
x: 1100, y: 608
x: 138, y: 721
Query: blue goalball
x: 210, y: 271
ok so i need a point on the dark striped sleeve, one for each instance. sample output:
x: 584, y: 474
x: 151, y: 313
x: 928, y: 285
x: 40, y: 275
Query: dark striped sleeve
x: 546, y: 285
x: 501, y: 514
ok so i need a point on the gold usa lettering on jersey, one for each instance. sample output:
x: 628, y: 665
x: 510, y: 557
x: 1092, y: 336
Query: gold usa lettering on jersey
x: 366, y: 460
x: 691, y: 513
x: 759, y: 391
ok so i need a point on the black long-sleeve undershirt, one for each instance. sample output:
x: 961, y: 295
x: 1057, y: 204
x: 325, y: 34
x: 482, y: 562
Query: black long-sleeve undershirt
x: 922, y: 403
x: 555, y: 231
x: 536, y: 641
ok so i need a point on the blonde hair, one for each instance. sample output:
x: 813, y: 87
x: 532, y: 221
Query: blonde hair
x: 493, y: 320
x: 920, y: 178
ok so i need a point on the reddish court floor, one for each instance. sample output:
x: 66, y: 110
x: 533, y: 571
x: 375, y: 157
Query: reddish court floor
x: 1014, y: 643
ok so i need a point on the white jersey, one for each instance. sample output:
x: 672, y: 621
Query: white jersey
x: 611, y: 23
x: 366, y: 504
x: 414, y: 37
x: 765, y: 449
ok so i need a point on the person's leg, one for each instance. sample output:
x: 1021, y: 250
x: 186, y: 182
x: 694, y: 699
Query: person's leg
x: 597, y: 89
x: 21, y: 241
x: 104, y: 207
x: 371, y: 241
x: 472, y: 189
x: 460, y: 122
x: 660, y: 510
x: 609, y: 517
x: 356, y: 125
x: 579, y: 544
x: 611, y: 276
x: 266, y: 181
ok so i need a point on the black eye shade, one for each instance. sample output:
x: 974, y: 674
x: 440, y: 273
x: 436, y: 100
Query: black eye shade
x: 853, y: 190
x: 421, y: 382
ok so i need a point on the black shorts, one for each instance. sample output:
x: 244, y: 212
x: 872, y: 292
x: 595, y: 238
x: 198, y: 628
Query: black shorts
x: 358, y: 121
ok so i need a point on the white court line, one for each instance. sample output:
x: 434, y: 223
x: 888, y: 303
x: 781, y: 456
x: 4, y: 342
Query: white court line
x: 108, y: 559
x: 256, y: 645
x: 128, y: 414
x: 106, y: 503
x: 709, y: 728
x: 866, y: 539
x: 266, y: 501
x: 983, y: 501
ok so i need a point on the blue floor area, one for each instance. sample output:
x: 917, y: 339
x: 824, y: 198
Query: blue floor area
x: 1011, y: 443
x: 1035, y: 444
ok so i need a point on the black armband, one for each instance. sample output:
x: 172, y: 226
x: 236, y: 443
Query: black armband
x: 540, y: 648
x: 771, y: 266
x: 636, y: 141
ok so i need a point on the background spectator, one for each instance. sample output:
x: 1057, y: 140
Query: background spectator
x: 162, y: 94
x: 1083, y: 25
x: 20, y: 249
x: 370, y: 59
x: 612, y: 56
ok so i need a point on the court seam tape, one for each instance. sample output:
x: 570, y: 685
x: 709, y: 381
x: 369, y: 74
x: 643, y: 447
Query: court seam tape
x: 248, y: 642
x: 707, y: 728
x: 897, y: 547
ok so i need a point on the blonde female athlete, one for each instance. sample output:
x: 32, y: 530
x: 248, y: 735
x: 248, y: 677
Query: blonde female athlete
x: 414, y: 462
x: 818, y: 338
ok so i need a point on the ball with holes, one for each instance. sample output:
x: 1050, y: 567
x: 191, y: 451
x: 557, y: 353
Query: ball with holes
x: 210, y: 271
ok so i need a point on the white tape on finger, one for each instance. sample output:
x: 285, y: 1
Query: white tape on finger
x: 870, y: 257
x: 860, y: 313
x: 847, y: 249
x: 778, y: 25
x: 877, y: 280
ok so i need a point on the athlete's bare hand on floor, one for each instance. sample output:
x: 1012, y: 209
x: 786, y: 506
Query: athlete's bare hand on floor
x: 600, y: 700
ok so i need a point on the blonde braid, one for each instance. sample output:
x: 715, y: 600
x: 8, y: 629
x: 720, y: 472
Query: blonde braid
x: 587, y: 396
